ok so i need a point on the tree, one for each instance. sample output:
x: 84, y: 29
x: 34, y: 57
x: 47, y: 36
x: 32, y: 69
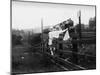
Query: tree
x: 16, y: 39
x: 34, y: 39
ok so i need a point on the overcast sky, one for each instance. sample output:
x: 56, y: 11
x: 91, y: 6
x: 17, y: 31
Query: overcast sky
x: 26, y: 15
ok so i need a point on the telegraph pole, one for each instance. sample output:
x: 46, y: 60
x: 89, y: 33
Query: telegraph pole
x: 42, y: 34
x: 75, y: 45
x: 41, y: 25
x: 80, y: 25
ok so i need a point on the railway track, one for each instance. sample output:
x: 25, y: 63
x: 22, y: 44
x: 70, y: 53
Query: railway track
x: 64, y: 64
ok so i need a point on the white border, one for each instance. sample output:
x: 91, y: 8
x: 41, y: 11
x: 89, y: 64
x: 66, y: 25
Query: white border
x: 5, y: 36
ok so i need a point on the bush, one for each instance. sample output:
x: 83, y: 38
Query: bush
x: 34, y: 39
x: 16, y: 40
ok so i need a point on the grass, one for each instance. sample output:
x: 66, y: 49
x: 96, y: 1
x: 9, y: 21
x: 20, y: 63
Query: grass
x: 24, y: 61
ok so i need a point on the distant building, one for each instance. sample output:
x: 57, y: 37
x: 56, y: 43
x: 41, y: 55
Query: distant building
x: 92, y: 23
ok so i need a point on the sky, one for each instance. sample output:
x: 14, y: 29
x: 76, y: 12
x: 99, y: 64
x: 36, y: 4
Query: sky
x: 27, y: 15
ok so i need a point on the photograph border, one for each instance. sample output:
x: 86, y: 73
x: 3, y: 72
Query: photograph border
x: 47, y: 3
